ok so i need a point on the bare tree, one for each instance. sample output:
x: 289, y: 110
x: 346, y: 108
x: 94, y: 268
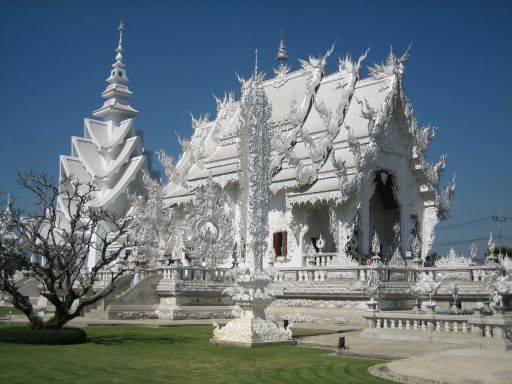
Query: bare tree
x: 53, y: 246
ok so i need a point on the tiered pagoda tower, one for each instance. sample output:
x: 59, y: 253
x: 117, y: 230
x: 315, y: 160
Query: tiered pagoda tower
x: 110, y: 153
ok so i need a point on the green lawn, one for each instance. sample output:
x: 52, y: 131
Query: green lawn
x: 4, y: 311
x: 173, y: 355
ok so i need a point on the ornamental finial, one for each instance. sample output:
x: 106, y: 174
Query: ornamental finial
x: 9, y: 210
x: 375, y: 244
x: 491, y: 247
x: 121, y: 29
x: 281, y: 52
x: 256, y: 60
x: 8, y: 207
x: 119, y: 50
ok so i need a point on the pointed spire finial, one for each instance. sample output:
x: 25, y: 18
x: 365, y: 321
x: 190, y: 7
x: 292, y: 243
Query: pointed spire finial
x: 281, y: 52
x: 119, y: 50
x: 8, y: 209
x: 256, y: 60
x: 121, y: 29
x: 117, y: 92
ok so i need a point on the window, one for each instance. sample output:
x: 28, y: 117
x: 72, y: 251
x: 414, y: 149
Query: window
x: 280, y: 241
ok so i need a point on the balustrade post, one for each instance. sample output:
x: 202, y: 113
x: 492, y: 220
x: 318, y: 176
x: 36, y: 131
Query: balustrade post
x: 498, y: 332
x: 430, y: 324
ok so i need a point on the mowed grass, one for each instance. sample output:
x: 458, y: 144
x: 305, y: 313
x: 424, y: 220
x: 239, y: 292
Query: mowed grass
x: 4, y: 311
x: 173, y: 355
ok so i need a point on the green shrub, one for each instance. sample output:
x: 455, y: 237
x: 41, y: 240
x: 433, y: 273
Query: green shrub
x: 24, y: 335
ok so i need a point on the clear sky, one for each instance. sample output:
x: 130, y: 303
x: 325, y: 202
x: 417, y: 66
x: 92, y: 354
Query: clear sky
x: 56, y: 55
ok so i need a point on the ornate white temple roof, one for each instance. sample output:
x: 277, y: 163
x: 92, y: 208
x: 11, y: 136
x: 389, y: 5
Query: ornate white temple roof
x: 218, y: 139
x: 327, y: 131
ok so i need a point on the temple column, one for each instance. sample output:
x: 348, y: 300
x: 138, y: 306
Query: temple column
x: 365, y: 228
x: 343, y: 234
x: 365, y: 225
x: 428, y: 224
x: 366, y: 192
x: 302, y: 232
x: 404, y: 229
x: 346, y: 223
x: 405, y: 213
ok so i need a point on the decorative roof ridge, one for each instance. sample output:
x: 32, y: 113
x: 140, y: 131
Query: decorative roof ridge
x: 370, y: 80
x: 114, y: 166
x: 125, y: 179
x: 334, y: 76
x: 124, y: 128
x: 208, y: 124
x: 290, y: 75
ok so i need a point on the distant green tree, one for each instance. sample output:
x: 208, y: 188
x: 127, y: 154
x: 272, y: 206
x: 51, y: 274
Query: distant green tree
x: 503, y: 250
x: 434, y: 256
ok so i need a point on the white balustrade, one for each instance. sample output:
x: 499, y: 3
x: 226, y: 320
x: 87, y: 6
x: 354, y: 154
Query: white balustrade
x: 488, y: 327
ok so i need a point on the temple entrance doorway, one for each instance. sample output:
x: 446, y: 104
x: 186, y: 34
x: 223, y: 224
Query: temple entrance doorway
x: 384, y: 212
x: 318, y: 226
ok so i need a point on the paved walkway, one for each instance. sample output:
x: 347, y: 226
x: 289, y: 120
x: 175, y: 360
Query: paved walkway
x: 90, y: 322
x: 457, y: 366
x: 376, y: 349
x: 422, y: 363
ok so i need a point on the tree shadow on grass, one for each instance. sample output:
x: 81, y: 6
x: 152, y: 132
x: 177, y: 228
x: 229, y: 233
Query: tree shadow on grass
x: 118, y: 339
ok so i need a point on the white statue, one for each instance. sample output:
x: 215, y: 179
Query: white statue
x: 426, y: 285
x: 370, y: 285
x: 473, y: 253
x: 320, y: 243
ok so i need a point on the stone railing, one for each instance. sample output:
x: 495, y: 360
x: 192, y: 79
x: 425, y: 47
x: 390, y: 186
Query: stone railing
x: 320, y: 259
x: 386, y: 273
x: 104, y: 276
x: 320, y: 274
x: 473, y: 273
x: 330, y: 273
x: 192, y: 273
x: 433, y: 327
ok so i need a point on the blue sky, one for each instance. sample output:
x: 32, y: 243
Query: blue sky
x: 56, y: 55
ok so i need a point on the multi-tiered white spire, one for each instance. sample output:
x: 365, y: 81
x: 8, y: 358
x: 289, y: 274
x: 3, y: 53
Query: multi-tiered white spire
x: 116, y: 93
x: 282, y: 56
x: 110, y: 154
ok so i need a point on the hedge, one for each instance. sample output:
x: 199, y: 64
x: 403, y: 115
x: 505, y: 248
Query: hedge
x: 24, y: 335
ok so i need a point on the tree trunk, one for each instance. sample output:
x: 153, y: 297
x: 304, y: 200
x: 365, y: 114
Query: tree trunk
x: 56, y: 322
x: 35, y: 322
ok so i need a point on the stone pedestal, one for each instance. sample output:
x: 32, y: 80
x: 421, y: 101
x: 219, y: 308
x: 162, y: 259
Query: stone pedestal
x: 499, y: 309
x: 252, y: 329
x: 372, y: 305
x: 431, y: 306
x: 454, y: 308
x: 491, y: 260
x: 418, y: 262
x: 416, y: 306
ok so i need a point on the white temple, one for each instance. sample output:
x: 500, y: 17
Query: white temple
x: 348, y: 161
x: 275, y: 204
x: 110, y: 154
